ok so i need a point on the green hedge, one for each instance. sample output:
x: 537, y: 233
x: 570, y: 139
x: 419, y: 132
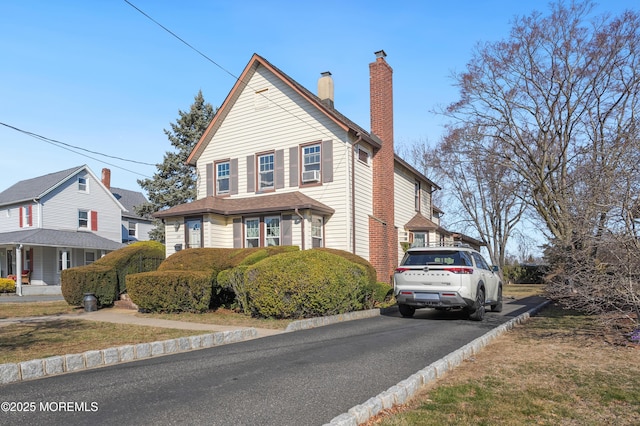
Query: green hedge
x: 100, y: 280
x: 7, y: 285
x: 212, y: 261
x: 171, y: 291
x: 371, y: 271
x: 305, y: 284
x: 107, y: 276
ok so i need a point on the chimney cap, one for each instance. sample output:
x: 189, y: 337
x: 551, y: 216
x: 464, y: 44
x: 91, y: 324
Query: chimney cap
x: 380, y: 54
x: 326, y: 74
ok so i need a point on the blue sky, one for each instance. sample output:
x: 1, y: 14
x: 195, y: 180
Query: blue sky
x: 100, y: 75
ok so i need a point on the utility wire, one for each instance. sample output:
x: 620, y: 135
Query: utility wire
x: 71, y: 148
x: 225, y: 70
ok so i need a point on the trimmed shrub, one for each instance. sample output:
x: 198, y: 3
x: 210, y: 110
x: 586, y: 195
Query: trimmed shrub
x: 212, y: 261
x: 302, y: 285
x: 171, y: 291
x: 7, y: 285
x: 377, y: 293
x: 107, y: 276
x: 371, y: 271
x: 100, y: 280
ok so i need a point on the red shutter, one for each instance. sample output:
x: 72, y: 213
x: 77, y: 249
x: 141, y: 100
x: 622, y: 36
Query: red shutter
x: 30, y: 215
x: 94, y: 220
x: 21, y: 225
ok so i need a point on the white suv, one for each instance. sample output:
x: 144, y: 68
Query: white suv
x: 447, y: 277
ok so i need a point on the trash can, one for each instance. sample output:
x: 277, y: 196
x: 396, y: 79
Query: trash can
x: 90, y: 302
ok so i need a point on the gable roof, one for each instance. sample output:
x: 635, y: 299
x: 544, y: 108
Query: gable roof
x: 130, y: 200
x: 237, y: 206
x: 36, y: 188
x: 242, y: 82
x: 420, y: 223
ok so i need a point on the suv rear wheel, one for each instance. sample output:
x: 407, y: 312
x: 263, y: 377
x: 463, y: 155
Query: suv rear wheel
x: 406, y: 310
x: 478, y: 313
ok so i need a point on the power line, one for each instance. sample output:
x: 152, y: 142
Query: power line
x: 225, y: 70
x: 72, y: 148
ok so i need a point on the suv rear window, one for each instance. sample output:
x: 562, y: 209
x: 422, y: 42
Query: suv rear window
x: 440, y: 257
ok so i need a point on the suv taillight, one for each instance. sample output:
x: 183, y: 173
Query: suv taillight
x: 459, y: 270
x: 401, y: 270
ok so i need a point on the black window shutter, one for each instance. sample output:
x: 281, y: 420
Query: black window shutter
x: 327, y: 161
x: 251, y: 180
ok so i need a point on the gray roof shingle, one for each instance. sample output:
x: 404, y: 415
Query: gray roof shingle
x: 129, y: 200
x: 34, y: 188
x: 56, y: 238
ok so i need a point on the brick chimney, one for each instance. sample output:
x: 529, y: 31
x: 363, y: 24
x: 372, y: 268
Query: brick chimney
x: 383, y: 237
x: 106, y: 178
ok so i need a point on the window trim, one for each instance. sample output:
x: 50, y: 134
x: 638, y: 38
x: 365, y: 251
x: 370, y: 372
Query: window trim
x: 83, y: 181
x: 217, y: 179
x: 266, y: 236
x: 314, y: 237
x: 246, y: 238
x: 87, y: 219
x: 367, y: 161
x: 302, y: 166
x: 418, y: 195
x: 95, y: 257
x: 259, y: 187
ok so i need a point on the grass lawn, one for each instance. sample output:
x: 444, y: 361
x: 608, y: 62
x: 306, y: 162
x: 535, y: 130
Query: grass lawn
x: 559, y: 368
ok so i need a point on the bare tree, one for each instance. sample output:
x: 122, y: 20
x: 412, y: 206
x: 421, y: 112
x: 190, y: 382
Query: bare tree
x: 556, y: 103
x: 488, y: 191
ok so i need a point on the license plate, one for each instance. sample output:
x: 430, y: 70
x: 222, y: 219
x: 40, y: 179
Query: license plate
x: 427, y: 296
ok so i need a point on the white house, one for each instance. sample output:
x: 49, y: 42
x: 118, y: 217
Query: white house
x: 279, y: 165
x: 54, y: 222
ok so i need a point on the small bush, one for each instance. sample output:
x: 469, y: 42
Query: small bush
x: 7, y: 285
x: 305, y: 284
x: 106, y: 277
x: 377, y: 293
x: 100, y: 280
x: 171, y: 291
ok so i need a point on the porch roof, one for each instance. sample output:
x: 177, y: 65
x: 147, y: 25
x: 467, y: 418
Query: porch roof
x: 251, y: 205
x: 421, y: 223
x: 56, y: 238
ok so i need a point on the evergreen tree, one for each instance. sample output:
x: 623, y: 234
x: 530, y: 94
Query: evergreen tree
x: 175, y: 182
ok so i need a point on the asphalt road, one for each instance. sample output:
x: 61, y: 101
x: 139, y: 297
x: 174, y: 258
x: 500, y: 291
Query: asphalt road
x: 301, y: 378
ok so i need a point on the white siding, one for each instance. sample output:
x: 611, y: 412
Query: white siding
x: 363, y: 204
x: 248, y: 131
x: 60, y: 208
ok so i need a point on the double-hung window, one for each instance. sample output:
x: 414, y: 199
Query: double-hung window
x: 272, y: 231
x: 311, y: 163
x: 417, y: 195
x: 222, y: 178
x: 265, y: 171
x: 82, y: 184
x: 316, y: 231
x: 252, y: 232
x: 83, y: 219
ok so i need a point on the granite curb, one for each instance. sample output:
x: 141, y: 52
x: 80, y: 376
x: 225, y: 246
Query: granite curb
x: 406, y: 389
x: 46, y: 367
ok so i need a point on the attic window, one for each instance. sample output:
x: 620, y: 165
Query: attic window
x: 82, y: 184
x: 261, y: 99
x: 363, y: 155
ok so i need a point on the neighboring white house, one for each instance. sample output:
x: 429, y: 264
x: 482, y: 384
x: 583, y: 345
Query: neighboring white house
x: 134, y: 227
x: 54, y: 222
x: 279, y: 165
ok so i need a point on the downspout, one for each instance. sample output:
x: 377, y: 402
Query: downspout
x: 353, y: 192
x: 301, y: 226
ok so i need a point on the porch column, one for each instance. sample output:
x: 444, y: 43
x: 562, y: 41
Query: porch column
x: 19, y: 270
